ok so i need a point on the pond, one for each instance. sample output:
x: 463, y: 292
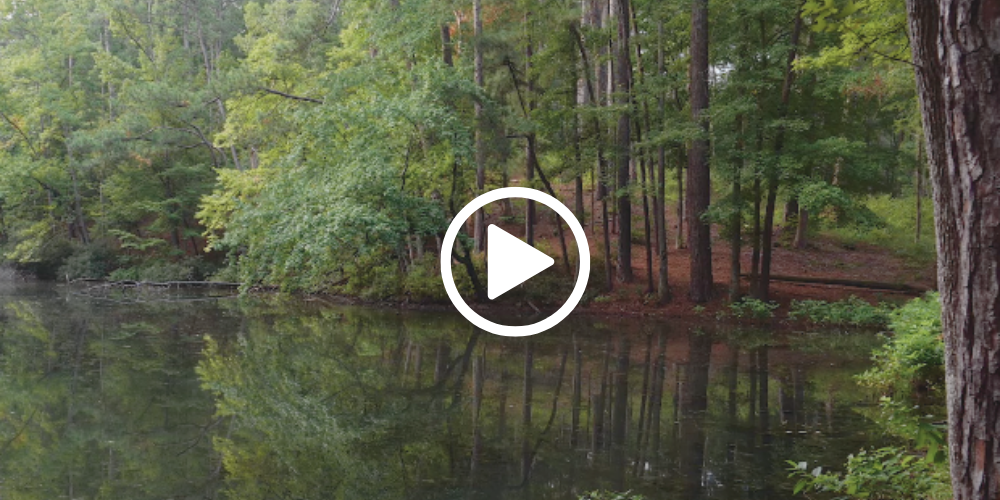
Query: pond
x: 181, y: 395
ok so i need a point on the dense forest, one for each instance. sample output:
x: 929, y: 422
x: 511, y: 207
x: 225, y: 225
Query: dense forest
x: 321, y: 145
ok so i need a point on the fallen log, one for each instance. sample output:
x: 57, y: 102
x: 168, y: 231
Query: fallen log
x: 161, y: 284
x: 870, y: 285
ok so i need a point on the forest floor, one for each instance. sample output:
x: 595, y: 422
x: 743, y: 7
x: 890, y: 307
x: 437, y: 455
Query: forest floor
x: 824, y: 257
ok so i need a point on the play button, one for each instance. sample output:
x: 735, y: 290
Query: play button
x: 511, y: 261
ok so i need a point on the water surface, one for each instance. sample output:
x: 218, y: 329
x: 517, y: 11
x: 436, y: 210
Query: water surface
x: 178, y: 395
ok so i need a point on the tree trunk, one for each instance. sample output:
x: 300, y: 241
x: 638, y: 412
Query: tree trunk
x: 699, y: 182
x: 956, y: 50
x: 529, y: 149
x: 735, y: 240
x: 755, y: 238
x: 623, y: 70
x: 801, y: 229
x: 764, y: 284
x: 479, y: 229
x: 659, y: 205
x: 681, y: 234
x: 918, y: 172
x: 446, y: 47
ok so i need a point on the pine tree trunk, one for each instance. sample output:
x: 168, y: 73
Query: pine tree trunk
x: 956, y: 50
x: 699, y: 182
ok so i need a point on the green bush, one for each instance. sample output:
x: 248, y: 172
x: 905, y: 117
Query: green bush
x: 750, y: 308
x: 88, y: 261
x: 853, y: 312
x: 914, y: 356
x: 883, y: 474
x: 158, y: 270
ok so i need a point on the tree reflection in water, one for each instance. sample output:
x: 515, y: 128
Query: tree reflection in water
x: 286, y: 400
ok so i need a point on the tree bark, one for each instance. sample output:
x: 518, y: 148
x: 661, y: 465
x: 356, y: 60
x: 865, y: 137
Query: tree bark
x: 659, y: 205
x: 764, y: 284
x: 956, y: 51
x: 802, y: 229
x: 529, y: 148
x: 623, y: 81
x: 699, y: 182
x: 479, y: 228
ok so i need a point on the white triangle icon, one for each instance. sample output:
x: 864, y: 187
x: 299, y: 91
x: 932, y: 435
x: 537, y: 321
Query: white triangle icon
x: 511, y: 261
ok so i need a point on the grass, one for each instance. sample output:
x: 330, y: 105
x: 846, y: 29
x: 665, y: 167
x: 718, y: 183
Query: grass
x: 899, y: 215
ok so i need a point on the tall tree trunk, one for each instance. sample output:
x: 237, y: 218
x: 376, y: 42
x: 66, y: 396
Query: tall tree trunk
x: 918, y: 172
x: 529, y: 147
x: 699, y: 183
x: 479, y: 228
x: 736, y: 236
x: 764, y: 282
x: 681, y: 240
x: 623, y: 81
x: 659, y: 205
x: 956, y: 49
x: 446, y: 45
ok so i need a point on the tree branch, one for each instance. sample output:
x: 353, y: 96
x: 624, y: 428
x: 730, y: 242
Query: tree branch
x: 290, y: 96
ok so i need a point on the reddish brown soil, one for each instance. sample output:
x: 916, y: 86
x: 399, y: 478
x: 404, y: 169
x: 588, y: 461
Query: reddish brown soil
x: 823, y: 258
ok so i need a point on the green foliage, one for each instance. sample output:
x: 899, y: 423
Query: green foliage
x: 896, y: 229
x: 889, y: 473
x: 751, y: 308
x: 852, y: 311
x: 91, y: 261
x: 914, y: 357
x: 159, y: 270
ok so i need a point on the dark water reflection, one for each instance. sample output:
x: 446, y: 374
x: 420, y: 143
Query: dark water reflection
x: 262, y: 399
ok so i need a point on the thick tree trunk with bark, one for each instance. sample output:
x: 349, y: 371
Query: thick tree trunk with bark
x: 956, y: 51
x: 699, y: 183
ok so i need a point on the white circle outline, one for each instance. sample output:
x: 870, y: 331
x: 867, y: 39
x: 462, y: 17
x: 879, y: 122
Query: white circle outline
x: 448, y: 244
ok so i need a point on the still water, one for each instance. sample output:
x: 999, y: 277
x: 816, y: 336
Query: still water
x: 175, y: 395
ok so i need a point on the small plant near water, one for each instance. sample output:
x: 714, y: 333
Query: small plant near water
x: 908, y: 369
x: 889, y: 473
x: 750, y: 308
x: 853, y: 311
x: 610, y: 495
x: 914, y: 357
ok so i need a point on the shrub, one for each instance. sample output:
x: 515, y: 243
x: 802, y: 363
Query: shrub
x: 853, y: 312
x: 914, y: 356
x: 883, y: 474
x: 88, y: 261
x: 750, y: 308
x: 158, y: 270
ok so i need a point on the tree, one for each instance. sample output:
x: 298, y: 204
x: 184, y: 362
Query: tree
x: 956, y: 53
x: 699, y: 183
x: 623, y: 82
